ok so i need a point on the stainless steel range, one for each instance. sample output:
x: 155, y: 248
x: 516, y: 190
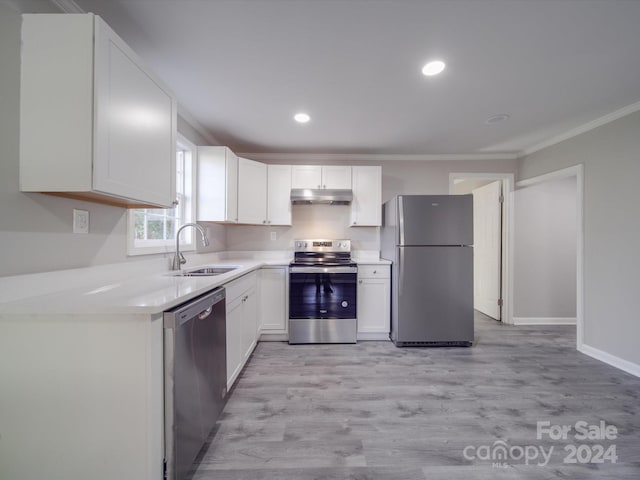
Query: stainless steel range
x: 322, y: 292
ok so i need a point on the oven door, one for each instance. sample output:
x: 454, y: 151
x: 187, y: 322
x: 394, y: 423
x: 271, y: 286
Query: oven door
x: 322, y: 292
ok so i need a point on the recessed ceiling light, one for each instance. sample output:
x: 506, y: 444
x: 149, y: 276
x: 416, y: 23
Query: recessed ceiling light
x: 433, y: 68
x: 500, y: 117
x: 301, y: 117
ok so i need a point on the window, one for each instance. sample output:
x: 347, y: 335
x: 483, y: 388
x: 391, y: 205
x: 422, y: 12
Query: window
x: 153, y: 230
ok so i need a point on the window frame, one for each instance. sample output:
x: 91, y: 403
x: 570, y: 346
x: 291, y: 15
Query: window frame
x: 187, y: 206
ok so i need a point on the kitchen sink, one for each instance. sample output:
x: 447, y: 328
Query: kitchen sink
x: 205, y: 271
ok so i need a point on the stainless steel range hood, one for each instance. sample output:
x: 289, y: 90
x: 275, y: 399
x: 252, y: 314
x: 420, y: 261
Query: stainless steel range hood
x: 324, y: 196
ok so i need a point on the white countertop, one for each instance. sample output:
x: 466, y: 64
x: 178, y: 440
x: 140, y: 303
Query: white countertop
x: 146, y: 294
x: 133, y: 288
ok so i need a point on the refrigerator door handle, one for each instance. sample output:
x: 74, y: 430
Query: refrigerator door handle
x: 400, y: 270
x: 401, y: 219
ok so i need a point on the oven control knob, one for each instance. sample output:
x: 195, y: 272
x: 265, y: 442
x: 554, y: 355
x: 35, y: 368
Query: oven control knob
x: 345, y: 304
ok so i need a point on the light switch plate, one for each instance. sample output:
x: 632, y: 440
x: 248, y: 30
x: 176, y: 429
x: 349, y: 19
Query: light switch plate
x: 273, y: 236
x: 80, y: 221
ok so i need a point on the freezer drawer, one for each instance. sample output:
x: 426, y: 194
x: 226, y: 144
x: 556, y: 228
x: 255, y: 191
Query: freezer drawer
x: 433, y: 295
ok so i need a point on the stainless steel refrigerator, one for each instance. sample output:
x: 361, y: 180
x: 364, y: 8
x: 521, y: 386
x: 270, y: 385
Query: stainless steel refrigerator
x: 429, y: 239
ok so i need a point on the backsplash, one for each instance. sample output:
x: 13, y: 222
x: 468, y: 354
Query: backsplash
x: 309, y: 221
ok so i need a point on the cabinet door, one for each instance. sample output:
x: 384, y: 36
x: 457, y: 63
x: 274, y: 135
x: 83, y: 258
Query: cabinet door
x: 279, y: 194
x: 336, y: 176
x: 217, y: 185
x: 134, y: 125
x: 273, y: 300
x: 374, y: 295
x: 234, y: 340
x: 306, y: 176
x: 366, y: 207
x: 249, y: 323
x: 252, y: 192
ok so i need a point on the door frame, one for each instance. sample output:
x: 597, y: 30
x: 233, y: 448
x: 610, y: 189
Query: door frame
x: 576, y: 171
x: 508, y: 186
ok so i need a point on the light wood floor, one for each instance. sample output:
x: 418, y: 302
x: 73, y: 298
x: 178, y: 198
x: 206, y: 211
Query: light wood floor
x: 372, y: 411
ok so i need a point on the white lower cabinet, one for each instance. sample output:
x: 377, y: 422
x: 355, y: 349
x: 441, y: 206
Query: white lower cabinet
x: 242, y: 323
x: 374, y: 302
x: 273, y: 303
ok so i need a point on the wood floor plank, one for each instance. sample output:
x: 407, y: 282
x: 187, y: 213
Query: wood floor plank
x: 373, y: 411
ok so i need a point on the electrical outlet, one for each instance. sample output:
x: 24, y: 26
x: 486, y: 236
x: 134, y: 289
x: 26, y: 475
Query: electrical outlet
x: 80, y: 221
x: 273, y: 236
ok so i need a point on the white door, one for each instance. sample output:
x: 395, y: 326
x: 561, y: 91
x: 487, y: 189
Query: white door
x: 279, y: 194
x: 336, y: 176
x: 487, y: 246
x: 252, y: 192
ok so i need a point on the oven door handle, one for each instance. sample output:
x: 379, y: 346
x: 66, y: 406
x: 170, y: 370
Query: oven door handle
x: 323, y: 269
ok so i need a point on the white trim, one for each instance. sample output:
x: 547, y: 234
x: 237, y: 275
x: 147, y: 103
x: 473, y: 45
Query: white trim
x: 167, y: 246
x: 574, y: 132
x: 508, y: 184
x: 578, y: 172
x: 626, y: 365
x: 196, y: 125
x: 68, y: 6
x: 544, y: 320
x: 367, y: 336
x: 375, y: 157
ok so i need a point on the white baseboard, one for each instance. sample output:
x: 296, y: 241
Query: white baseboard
x: 626, y: 365
x: 544, y: 320
x: 373, y: 336
x: 274, y: 337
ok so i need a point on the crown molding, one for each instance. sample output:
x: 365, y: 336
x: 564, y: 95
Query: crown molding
x: 574, y: 132
x: 347, y: 157
x: 67, y: 6
x: 197, y: 126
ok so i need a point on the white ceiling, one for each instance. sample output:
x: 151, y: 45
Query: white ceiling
x: 242, y: 68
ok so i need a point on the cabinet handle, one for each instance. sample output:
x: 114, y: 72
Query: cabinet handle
x: 324, y: 186
x: 175, y: 203
x: 319, y: 187
x: 375, y: 271
x: 264, y: 221
x: 359, y: 281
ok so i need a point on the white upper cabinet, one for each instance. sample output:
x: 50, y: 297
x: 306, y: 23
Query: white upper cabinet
x: 279, y: 194
x: 252, y: 192
x: 366, y: 207
x: 336, y: 176
x: 94, y: 122
x: 217, y: 185
x: 315, y: 176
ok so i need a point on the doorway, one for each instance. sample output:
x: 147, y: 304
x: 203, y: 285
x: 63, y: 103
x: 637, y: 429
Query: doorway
x: 492, y: 195
x: 575, y: 176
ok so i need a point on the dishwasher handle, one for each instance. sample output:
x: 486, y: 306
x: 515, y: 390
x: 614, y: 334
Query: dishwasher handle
x: 200, y: 307
x: 205, y: 313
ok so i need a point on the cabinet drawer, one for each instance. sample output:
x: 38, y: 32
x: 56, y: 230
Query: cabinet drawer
x: 373, y: 271
x: 239, y: 286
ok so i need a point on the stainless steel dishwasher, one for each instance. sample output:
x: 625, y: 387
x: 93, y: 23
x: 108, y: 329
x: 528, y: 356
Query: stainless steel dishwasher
x: 195, y: 375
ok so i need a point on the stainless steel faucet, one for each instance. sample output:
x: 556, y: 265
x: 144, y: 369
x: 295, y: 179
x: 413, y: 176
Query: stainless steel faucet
x: 178, y: 259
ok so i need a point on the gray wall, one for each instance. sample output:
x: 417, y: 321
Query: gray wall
x: 545, y: 250
x: 611, y: 158
x: 36, y: 230
x: 398, y: 177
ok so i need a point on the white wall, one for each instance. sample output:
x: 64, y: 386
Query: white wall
x: 611, y: 158
x: 35, y: 229
x: 545, y: 250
